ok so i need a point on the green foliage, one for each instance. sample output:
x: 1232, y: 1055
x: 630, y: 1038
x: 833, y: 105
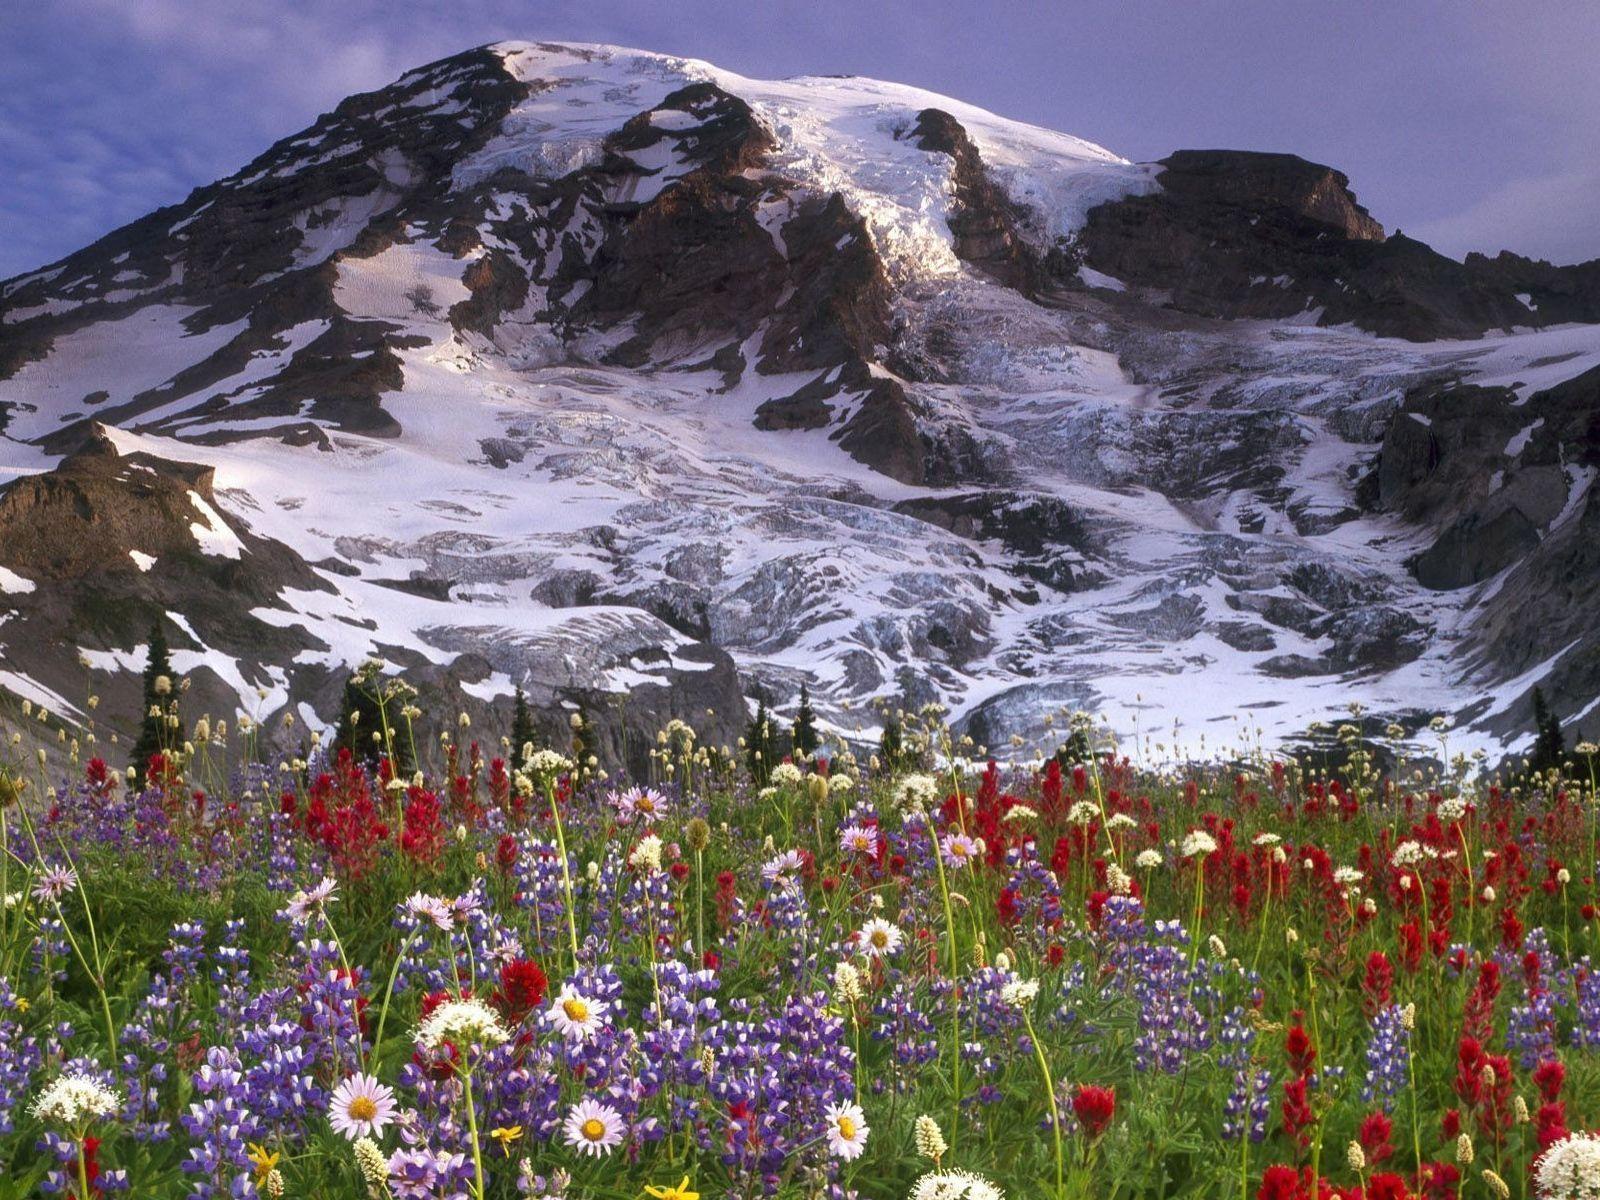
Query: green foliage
x: 804, y: 732
x: 521, y: 726
x: 365, y: 715
x: 1549, y: 744
x: 585, y: 744
x: 891, y: 746
x: 160, y: 700
x: 1076, y: 749
x: 761, y: 744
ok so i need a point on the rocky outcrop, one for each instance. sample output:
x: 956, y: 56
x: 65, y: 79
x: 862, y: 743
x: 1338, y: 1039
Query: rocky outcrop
x: 1052, y: 543
x: 1243, y: 234
x: 984, y: 220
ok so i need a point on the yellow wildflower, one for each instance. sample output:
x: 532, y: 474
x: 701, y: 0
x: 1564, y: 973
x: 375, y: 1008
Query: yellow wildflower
x: 263, y: 1160
x: 506, y: 1135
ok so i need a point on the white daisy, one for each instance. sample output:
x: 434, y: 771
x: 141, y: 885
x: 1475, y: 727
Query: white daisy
x: 880, y: 938
x: 575, y: 1016
x: 645, y: 804
x: 54, y: 883
x: 785, y: 868
x: 847, y: 1130
x: 361, y: 1107
x: 592, y: 1128
x: 431, y: 908
x: 302, y: 904
x: 958, y: 849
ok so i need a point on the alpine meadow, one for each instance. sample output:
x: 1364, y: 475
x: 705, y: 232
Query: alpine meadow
x: 590, y: 627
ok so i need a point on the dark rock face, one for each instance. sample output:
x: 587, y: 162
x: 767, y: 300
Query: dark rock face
x: 1475, y: 548
x: 1243, y: 234
x: 75, y: 532
x: 984, y: 219
x: 1053, y: 544
x: 1507, y: 483
x: 1279, y: 183
x: 1484, y: 469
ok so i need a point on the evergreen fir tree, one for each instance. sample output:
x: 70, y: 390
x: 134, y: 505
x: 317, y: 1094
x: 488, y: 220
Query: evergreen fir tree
x: 891, y: 746
x: 158, y: 700
x: 760, y: 746
x: 585, y: 744
x: 805, y: 726
x: 360, y: 717
x: 1076, y: 749
x: 521, y: 726
x: 1549, y: 746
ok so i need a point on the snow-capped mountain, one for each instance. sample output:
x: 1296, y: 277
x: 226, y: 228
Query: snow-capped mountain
x: 646, y: 386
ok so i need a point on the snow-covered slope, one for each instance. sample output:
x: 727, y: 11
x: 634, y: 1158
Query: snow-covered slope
x: 601, y: 373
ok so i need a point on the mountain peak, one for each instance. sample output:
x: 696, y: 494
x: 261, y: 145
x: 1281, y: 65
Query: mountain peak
x: 614, y: 374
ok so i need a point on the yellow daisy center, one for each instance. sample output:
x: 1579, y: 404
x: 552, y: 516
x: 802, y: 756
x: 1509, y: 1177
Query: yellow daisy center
x: 576, y: 1010
x: 594, y: 1129
x: 847, y: 1129
x: 880, y: 939
x: 362, y: 1109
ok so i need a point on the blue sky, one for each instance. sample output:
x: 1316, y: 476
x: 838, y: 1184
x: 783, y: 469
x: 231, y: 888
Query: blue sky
x: 1473, y: 125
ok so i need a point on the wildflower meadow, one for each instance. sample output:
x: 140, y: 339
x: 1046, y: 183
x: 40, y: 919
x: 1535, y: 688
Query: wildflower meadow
x: 446, y: 965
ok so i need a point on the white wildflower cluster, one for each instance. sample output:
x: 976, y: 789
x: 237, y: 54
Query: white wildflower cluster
x: 954, y: 1185
x: 847, y: 984
x: 75, y: 1099
x: 1197, y: 843
x: 785, y: 774
x: 646, y: 856
x: 462, y: 1023
x: 1452, y: 809
x: 548, y: 764
x: 1408, y: 853
x: 930, y: 1138
x: 1083, y: 812
x: 917, y: 791
x: 1148, y: 860
x: 1570, y: 1169
x: 1019, y: 993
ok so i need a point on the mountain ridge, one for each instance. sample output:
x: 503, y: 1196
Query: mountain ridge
x: 818, y: 380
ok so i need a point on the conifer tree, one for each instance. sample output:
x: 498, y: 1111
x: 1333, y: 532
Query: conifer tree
x: 585, y: 744
x: 361, y: 716
x: 891, y: 746
x: 1549, y: 745
x: 521, y: 726
x: 158, y: 701
x: 760, y: 747
x: 805, y: 726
